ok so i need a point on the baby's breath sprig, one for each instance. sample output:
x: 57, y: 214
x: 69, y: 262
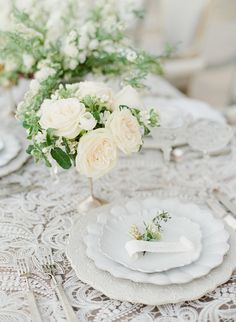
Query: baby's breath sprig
x: 152, y: 230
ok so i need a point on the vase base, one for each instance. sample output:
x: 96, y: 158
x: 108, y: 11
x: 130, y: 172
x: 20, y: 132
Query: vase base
x: 90, y: 203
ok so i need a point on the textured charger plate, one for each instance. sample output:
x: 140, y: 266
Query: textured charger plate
x: 15, y: 129
x: 125, y: 290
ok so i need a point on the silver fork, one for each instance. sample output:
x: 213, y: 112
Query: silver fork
x: 24, y: 272
x: 49, y: 267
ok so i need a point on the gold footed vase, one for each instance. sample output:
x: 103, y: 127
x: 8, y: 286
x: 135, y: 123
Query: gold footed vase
x: 91, y: 202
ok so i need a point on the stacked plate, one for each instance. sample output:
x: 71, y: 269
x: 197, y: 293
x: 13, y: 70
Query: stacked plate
x: 106, y: 239
x: 155, y: 278
x: 12, y: 149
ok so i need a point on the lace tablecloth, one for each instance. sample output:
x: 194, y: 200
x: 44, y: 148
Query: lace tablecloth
x: 42, y: 213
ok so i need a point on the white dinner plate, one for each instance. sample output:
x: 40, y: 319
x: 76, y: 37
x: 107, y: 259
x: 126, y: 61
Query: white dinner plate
x: 115, y: 235
x: 214, y: 243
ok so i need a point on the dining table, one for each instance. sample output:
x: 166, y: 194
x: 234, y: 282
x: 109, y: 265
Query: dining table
x: 38, y: 207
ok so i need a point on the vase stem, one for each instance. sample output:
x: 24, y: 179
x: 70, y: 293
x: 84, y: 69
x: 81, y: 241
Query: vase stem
x: 91, y: 201
x: 91, y: 187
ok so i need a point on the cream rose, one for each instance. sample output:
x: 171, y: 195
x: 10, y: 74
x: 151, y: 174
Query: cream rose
x: 96, y: 153
x: 128, y: 96
x: 63, y: 116
x: 87, y: 121
x: 100, y: 90
x: 125, y: 130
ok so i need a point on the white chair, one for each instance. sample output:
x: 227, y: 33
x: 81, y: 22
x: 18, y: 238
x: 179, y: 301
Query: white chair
x: 183, y: 24
x: 179, y: 23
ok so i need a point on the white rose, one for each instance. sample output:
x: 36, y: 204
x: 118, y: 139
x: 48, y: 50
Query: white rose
x: 96, y: 153
x: 125, y: 130
x: 128, y: 96
x: 100, y: 90
x: 87, y: 121
x: 63, y: 116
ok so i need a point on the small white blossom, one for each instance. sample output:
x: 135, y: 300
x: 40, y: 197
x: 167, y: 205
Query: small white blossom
x: 71, y: 50
x: 93, y: 44
x: 145, y: 116
x: 82, y: 57
x: 73, y: 64
x: 20, y: 107
x: 45, y: 150
x: 83, y: 42
x: 131, y: 55
x: 104, y: 117
x: 40, y: 137
x: 34, y: 86
x: 28, y: 61
x: 72, y: 35
x: 44, y: 73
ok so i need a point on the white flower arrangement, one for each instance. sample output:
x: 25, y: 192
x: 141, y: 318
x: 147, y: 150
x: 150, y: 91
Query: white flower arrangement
x: 69, y: 39
x: 86, y: 124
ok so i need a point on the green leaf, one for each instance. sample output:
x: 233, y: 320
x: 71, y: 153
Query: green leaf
x: 61, y: 157
x: 25, y: 125
x: 123, y: 106
x: 29, y: 149
x: 49, y: 137
x: 66, y: 146
x: 146, y: 130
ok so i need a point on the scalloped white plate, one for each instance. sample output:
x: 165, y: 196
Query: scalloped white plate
x: 17, y: 161
x: 115, y: 234
x: 214, y: 243
x: 126, y: 290
x: 11, y: 147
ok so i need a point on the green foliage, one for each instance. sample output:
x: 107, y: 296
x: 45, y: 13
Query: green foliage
x: 152, y: 230
x: 61, y: 157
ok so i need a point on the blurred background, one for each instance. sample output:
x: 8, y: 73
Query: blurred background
x: 204, y: 33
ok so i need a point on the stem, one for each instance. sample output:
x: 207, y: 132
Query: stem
x: 91, y: 187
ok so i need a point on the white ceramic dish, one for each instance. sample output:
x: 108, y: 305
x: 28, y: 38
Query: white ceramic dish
x: 126, y: 290
x: 21, y: 157
x: 214, y: 244
x: 1, y: 145
x: 11, y: 148
x: 115, y: 235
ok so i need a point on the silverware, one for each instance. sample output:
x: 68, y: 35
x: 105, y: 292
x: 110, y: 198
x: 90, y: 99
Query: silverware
x: 49, y: 267
x: 24, y: 271
x: 178, y: 153
x: 221, y: 212
x: 225, y: 201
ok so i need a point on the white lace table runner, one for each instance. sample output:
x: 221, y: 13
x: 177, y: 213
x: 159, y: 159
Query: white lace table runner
x: 42, y: 214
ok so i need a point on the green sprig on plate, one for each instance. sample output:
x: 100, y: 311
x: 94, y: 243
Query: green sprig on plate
x: 152, y: 230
